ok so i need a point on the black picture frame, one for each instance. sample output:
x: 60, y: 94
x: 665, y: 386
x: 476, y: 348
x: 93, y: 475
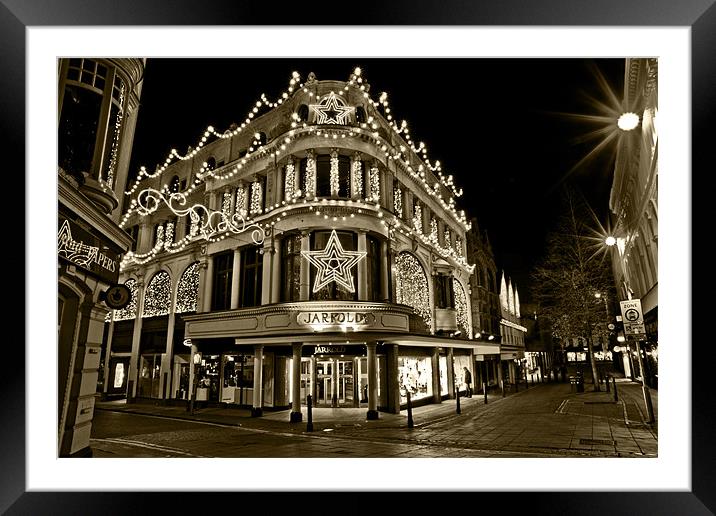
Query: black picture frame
x: 700, y: 15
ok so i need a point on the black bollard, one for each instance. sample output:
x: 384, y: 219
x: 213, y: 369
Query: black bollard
x: 309, y: 423
x: 484, y: 389
x: 616, y: 398
x: 606, y: 382
x: 410, y: 411
x: 503, y: 388
x: 457, y: 400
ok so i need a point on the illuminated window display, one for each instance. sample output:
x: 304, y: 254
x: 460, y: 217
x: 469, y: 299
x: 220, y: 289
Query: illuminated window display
x: 149, y: 376
x: 443, y: 375
x: 208, y: 378
x: 415, y: 375
x: 238, y: 379
x: 459, y: 363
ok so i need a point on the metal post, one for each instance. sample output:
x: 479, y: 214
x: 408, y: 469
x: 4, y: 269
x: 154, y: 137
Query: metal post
x: 606, y: 382
x: 644, y: 388
x: 616, y: 398
x: 484, y: 390
x: 503, y: 387
x: 410, y: 411
x: 309, y: 423
x: 457, y: 399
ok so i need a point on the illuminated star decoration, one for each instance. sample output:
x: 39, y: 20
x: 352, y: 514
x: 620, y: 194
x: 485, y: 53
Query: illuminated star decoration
x: 334, y: 264
x: 332, y: 110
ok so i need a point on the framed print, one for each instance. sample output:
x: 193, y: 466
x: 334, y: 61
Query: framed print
x: 338, y: 279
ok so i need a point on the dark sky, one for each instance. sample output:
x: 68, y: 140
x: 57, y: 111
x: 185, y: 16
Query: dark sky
x: 492, y: 123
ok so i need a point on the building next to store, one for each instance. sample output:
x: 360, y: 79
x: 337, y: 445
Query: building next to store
x: 634, y: 205
x: 312, y: 250
x: 98, y: 102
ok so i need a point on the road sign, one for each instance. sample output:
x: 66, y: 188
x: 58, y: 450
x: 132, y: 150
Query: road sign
x: 632, y: 317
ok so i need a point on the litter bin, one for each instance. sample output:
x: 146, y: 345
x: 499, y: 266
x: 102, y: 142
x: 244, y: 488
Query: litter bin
x: 577, y: 383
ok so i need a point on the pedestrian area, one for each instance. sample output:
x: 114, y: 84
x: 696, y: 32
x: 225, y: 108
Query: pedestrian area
x: 547, y: 419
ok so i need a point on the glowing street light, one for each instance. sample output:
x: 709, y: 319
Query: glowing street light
x: 610, y: 241
x: 628, y: 121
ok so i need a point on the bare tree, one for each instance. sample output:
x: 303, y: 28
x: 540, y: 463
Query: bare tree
x: 572, y: 272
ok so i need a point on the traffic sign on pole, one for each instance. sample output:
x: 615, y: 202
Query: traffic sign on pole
x: 632, y: 317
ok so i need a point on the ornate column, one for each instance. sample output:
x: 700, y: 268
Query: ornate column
x: 275, y: 271
x: 108, y: 354
x: 136, y: 337
x: 362, y: 267
x: 450, y: 373
x: 208, y: 285
x: 235, y: 279
x: 391, y: 375
x: 310, y: 179
x: 256, y: 408
x: 385, y: 267
x: 435, y: 362
x: 165, y: 371
x: 305, y: 285
x: 296, y: 415
x: 372, y: 381
x: 266, y: 272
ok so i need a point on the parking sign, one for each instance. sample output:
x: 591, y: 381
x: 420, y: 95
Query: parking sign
x: 632, y: 317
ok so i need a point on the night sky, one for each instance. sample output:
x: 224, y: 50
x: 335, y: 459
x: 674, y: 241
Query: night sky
x: 494, y: 124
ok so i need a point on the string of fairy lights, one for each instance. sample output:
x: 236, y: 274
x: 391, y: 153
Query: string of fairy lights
x: 354, y: 81
x: 463, y: 320
x: 412, y: 287
x: 509, y: 298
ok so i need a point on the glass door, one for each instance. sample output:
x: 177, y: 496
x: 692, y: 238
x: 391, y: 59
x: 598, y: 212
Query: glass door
x: 324, y: 382
x: 346, y: 392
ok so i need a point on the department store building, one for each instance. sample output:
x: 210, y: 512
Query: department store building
x: 313, y: 249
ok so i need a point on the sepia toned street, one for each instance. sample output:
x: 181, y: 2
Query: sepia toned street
x: 546, y: 420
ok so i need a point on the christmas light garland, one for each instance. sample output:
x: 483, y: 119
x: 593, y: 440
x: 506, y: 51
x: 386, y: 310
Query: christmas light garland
x: 188, y: 289
x: 398, y: 200
x: 334, y: 264
x: 157, y: 297
x: 334, y: 176
x: 463, y: 320
x: 412, y: 287
x: 357, y: 188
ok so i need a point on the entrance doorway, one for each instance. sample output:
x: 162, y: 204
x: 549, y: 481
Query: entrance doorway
x: 335, y: 382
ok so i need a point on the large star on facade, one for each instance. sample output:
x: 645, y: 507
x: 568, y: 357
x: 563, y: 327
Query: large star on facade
x: 332, y: 109
x: 334, y: 264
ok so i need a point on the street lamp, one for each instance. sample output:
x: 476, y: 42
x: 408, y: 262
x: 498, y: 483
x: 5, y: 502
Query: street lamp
x: 197, y: 362
x: 628, y: 121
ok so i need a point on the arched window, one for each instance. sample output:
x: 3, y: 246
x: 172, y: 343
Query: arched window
x: 129, y: 311
x: 188, y: 289
x: 360, y: 115
x: 157, y: 297
x: 291, y: 267
x: 211, y: 163
x: 412, y: 286
x: 463, y: 321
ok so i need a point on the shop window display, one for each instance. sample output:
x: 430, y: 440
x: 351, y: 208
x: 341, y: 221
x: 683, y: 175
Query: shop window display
x: 208, y: 378
x: 443, y: 375
x: 238, y: 379
x: 459, y: 363
x: 415, y: 376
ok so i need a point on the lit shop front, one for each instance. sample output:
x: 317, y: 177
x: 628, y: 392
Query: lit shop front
x: 245, y: 360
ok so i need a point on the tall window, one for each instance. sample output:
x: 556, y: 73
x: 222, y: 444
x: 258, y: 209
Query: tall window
x: 333, y: 290
x: 221, y: 292
x: 444, y: 297
x: 323, y: 176
x: 373, y: 259
x: 291, y: 267
x: 92, y: 106
x: 251, y: 275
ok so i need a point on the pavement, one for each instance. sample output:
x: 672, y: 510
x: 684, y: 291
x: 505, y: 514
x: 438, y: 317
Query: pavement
x: 547, y: 419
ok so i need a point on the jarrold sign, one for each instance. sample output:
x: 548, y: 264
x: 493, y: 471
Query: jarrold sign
x: 341, y: 321
x: 632, y: 317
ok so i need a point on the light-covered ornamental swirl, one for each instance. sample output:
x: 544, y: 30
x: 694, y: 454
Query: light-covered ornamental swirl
x: 412, y: 286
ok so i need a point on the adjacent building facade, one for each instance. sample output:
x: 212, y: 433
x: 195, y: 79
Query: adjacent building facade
x: 634, y: 204
x: 312, y: 250
x: 98, y: 102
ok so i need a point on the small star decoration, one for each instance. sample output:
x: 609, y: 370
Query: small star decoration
x: 332, y: 110
x: 334, y: 264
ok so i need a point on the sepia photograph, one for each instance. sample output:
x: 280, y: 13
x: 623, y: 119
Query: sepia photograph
x: 314, y: 258
x: 357, y: 257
